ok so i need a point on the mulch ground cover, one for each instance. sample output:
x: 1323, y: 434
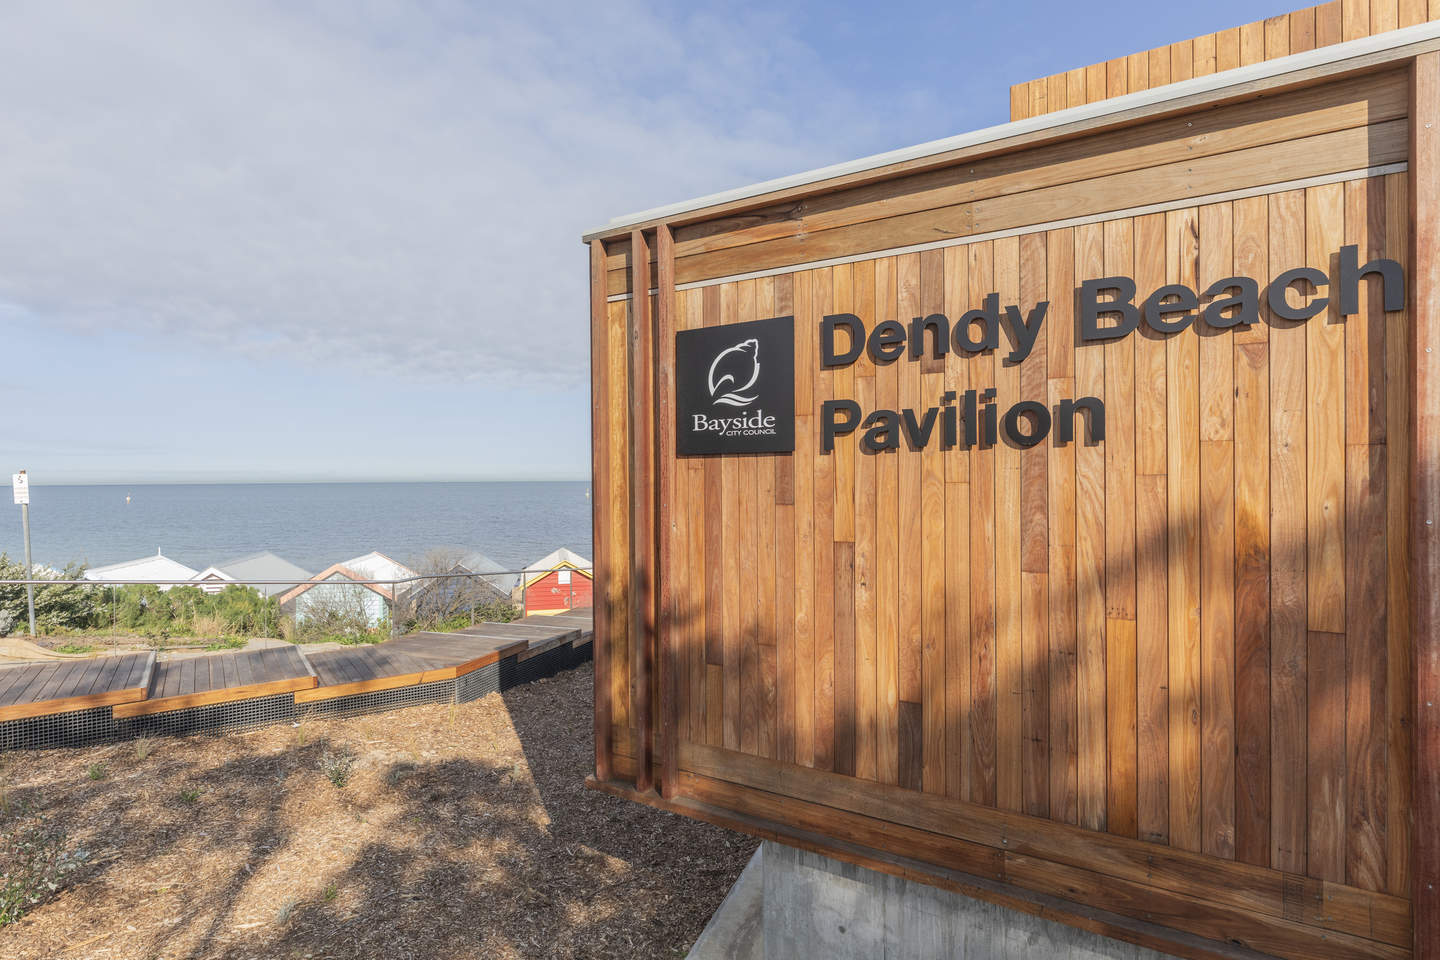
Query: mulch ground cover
x: 430, y: 832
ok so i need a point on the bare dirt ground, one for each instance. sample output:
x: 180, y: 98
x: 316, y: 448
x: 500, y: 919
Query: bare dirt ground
x: 463, y: 831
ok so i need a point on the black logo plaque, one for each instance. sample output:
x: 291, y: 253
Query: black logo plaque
x: 735, y: 388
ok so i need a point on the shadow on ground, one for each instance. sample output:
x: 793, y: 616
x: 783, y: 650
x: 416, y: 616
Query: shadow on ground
x: 461, y: 831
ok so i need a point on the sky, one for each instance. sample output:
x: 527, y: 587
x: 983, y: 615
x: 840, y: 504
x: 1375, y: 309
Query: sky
x: 341, y: 241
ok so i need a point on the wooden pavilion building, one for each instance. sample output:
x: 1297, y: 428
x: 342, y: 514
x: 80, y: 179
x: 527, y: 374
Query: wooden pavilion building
x: 1052, y: 513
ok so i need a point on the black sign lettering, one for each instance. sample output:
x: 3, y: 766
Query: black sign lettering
x: 1280, y: 288
x: 1171, y: 308
x: 735, y: 385
x: 1119, y: 303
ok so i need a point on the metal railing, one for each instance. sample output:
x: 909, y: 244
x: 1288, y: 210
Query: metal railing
x: 400, y: 589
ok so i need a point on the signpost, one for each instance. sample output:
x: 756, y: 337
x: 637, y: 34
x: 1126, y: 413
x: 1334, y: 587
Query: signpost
x: 21, y: 484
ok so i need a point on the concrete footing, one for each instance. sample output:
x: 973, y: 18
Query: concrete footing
x: 790, y: 903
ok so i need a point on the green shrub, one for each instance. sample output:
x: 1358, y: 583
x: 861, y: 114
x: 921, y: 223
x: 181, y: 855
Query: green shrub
x: 488, y: 611
x: 337, y: 767
x: 57, y: 606
x: 236, y: 611
x: 337, y: 624
x: 140, y: 608
x: 35, y: 861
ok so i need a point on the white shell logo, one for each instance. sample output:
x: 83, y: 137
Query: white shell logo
x: 734, y: 371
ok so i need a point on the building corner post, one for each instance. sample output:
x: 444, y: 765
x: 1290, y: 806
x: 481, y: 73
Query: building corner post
x: 642, y: 508
x: 1425, y: 499
x: 600, y: 483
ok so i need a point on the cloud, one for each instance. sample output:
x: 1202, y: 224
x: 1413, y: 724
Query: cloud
x: 398, y: 187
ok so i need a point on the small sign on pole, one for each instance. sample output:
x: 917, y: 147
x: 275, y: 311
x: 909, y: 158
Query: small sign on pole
x: 20, y: 482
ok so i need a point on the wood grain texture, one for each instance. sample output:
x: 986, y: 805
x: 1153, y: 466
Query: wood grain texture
x: 1114, y: 639
x: 932, y: 547
x: 1325, y: 424
x: 1366, y: 481
x: 1288, y: 582
x: 1425, y: 497
x: 1217, y: 544
x: 643, y: 557
x: 866, y: 650
x: 1009, y: 640
x: 601, y: 522
x: 1252, y: 550
x: 887, y: 550
x: 1090, y: 563
x: 668, y: 641
x: 1183, y: 593
x: 1278, y: 36
x: 981, y: 779
x: 1061, y: 529
x: 1378, y: 927
x: 1311, y: 131
x: 1399, y: 714
x: 1151, y: 548
x: 1034, y: 520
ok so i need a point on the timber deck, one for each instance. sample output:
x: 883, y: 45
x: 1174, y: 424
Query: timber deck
x: 38, y: 689
x: 136, y: 685
x: 219, y: 678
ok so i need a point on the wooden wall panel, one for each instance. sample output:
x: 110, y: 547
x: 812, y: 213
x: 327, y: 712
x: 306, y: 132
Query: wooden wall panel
x: 617, y: 598
x: 1191, y: 637
x: 1313, y: 131
x: 1151, y: 636
x: 603, y: 524
x: 1295, y: 32
x: 1170, y: 674
x: 981, y: 777
x: 1090, y: 572
x: 1424, y: 489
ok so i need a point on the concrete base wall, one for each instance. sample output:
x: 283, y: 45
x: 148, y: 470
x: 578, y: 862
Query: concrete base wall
x: 792, y: 903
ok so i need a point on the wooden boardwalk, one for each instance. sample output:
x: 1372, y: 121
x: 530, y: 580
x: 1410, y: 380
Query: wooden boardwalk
x: 38, y: 689
x: 217, y: 678
x: 135, y: 684
x: 427, y: 656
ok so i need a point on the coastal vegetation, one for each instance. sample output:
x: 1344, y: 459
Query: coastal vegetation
x: 221, y: 620
x: 58, y: 607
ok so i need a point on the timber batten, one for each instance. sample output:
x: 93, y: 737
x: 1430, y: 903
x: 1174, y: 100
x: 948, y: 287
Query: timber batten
x: 1176, y: 672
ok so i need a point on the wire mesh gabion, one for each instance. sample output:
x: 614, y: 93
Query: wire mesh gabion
x: 232, y: 717
x: 477, y: 683
x: 78, y: 728
x: 378, y: 701
x: 515, y: 671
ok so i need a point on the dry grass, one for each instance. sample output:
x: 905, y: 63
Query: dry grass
x: 460, y: 832
x: 209, y: 625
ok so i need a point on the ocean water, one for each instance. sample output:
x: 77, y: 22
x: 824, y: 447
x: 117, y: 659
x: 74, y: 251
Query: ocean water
x: 312, y: 524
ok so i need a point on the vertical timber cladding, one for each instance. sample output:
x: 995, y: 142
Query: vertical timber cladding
x: 1297, y: 32
x: 1166, y: 675
x: 1188, y: 634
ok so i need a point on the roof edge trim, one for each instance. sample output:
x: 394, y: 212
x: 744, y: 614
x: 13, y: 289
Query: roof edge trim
x: 1211, y: 83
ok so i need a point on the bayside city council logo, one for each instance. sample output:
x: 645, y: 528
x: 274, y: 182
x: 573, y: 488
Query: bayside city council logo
x: 735, y: 388
x: 735, y: 370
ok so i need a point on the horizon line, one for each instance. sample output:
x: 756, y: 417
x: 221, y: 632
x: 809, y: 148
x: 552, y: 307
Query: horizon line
x: 256, y: 482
